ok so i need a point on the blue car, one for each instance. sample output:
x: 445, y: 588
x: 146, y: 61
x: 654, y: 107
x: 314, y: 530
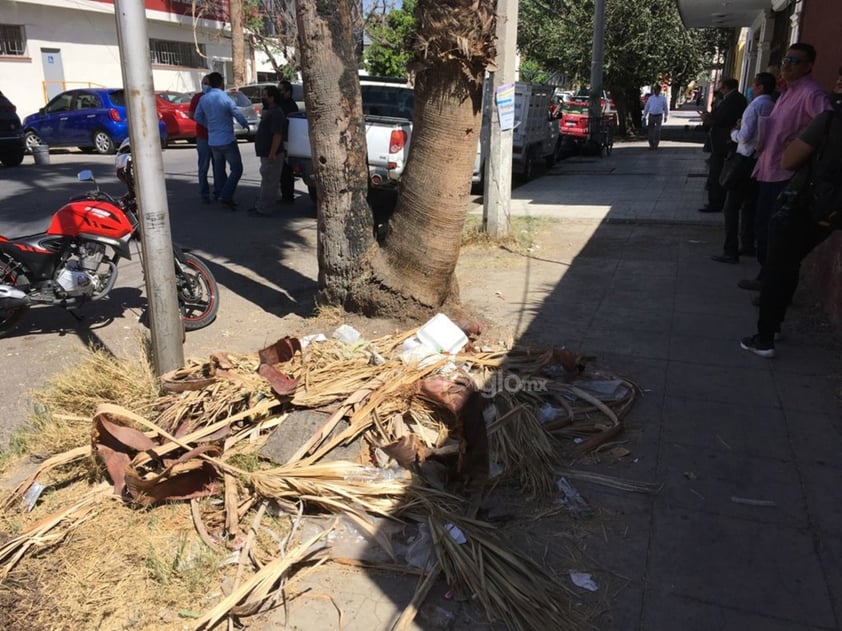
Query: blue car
x: 93, y: 119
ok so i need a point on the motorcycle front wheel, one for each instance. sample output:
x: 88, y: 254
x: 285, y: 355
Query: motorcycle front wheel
x: 198, y: 294
x: 9, y: 316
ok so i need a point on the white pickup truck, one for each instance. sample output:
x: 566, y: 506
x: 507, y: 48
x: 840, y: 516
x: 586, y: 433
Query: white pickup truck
x: 387, y: 106
x: 535, y: 134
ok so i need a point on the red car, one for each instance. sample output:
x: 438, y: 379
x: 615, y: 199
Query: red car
x: 173, y: 109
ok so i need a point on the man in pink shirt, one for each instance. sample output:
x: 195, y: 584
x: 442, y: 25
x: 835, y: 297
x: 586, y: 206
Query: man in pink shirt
x: 799, y: 103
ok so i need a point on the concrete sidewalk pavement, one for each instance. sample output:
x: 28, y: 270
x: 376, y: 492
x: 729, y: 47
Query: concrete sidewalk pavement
x: 746, y: 533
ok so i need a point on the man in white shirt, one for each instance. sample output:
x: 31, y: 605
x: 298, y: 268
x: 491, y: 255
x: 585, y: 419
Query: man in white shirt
x: 740, y: 199
x: 655, y: 113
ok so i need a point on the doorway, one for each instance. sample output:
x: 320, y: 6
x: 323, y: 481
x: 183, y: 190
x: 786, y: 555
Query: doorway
x: 53, y: 72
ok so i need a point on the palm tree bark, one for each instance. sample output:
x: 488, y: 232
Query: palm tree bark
x: 413, y: 271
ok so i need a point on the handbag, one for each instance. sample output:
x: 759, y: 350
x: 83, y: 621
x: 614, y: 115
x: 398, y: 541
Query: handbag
x: 735, y: 171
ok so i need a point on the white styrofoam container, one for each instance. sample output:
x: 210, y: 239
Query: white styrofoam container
x: 442, y: 335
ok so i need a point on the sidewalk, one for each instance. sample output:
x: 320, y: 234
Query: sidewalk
x: 746, y: 533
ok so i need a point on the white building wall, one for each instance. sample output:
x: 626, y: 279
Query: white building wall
x: 85, y: 33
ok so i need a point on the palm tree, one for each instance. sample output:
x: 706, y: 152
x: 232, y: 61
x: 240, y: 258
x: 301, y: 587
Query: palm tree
x: 413, y: 270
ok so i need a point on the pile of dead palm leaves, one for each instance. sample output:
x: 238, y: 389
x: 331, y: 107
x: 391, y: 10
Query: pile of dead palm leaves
x: 454, y: 426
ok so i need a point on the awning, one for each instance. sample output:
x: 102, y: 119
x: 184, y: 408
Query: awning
x: 720, y: 13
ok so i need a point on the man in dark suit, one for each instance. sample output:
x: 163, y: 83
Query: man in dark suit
x: 721, y: 120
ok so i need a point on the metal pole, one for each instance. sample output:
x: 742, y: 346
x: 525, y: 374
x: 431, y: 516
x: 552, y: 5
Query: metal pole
x: 158, y: 265
x: 595, y: 105
x: 497, y: 190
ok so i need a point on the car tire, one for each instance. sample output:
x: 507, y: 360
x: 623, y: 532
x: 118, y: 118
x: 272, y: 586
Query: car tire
x: 31, y: 139
x: 103, y: 144
x: 13, y: 158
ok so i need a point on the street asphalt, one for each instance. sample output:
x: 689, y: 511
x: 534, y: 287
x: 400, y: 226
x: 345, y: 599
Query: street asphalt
x: 746, y: 531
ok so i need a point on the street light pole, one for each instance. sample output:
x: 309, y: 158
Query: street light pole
x: 595, y: 104
x: 148, y: 167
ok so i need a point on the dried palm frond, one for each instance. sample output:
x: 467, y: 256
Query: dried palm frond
x: 510, y: 586
x: 51, y: 529
x: 520, y: 445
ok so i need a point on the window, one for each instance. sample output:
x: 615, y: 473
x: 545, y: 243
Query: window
x: 85, y: 101
x: 61, y: 103
x: 168, y: 53
x: 12, y: 40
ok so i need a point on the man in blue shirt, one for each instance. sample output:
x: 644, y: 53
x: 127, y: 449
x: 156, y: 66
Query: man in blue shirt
x: 217, y: 111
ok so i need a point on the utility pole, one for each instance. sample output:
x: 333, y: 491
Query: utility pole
x: 497, y: 189
x: 147, y: 162
x: 595, y: 105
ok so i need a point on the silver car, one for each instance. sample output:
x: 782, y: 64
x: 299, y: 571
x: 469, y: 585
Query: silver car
x: 249, y: 110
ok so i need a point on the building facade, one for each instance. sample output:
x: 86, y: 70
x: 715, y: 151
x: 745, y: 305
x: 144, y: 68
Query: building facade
x: 48, y: 46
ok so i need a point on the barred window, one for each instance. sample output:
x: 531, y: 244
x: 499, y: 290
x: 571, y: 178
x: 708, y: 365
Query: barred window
x: 177, y: 53
x: 12, y: 40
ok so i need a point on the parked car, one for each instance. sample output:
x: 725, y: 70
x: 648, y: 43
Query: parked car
x: 93, y: 119
x: 249, y: 110
x: 11, y: 139
x: 255, y: 92
x: 174, y: 110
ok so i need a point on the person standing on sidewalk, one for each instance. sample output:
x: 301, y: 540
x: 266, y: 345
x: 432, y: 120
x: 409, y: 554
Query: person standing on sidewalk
x: 801, y: 101
x: 655, y: 113
x: 721, y: 121
x: 288, y: 105
x: 739, y: 201
x: 268, y: 145
x: 202, y: 148
x: 793, y: 231
x: 217, y: 111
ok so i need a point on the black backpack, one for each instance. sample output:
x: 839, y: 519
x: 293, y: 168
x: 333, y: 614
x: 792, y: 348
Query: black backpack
x: 823, y: 193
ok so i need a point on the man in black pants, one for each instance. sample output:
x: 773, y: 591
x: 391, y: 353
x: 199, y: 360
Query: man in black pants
x: 793, y: 233
x: 739, y: 203
x: 721, y: 121
x: 288, y: 105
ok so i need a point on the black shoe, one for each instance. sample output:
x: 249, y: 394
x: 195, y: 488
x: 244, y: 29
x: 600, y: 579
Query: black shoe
x: 708, y: 209
x: 750, y: 284
x: 724, y: 258
x: 287, y: 200
x: 757, y: 346
x: 257, y: 213
x: 229, y: 203
x: 748, y: 252
x: 206, y: 200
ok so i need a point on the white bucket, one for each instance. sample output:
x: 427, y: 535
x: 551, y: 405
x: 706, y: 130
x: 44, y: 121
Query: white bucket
x: 41, y: 154
x: 442, y: 335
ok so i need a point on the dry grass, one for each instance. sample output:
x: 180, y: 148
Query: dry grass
x: 118, y: 567
x: 63, y: 408
x: 123, y: 569
x: 522, y: 237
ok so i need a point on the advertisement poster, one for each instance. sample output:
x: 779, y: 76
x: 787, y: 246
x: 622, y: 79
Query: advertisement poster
x: 506, y: 106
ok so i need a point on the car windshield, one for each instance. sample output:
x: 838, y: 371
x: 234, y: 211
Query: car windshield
x: 175, y: 97
x: 240, y: 99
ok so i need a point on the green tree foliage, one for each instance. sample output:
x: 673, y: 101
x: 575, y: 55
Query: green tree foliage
x: 645, y: 41
x: 389, y: 52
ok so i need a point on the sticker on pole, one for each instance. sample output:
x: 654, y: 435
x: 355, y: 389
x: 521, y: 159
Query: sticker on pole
x: 506, y: 106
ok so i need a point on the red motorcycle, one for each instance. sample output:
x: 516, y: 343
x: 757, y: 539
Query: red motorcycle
x: 75, y: 261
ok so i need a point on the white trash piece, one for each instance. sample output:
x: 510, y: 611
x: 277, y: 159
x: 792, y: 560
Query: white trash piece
x: 442, y: 335
x: 583, y: 580
x: 347, y: 334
